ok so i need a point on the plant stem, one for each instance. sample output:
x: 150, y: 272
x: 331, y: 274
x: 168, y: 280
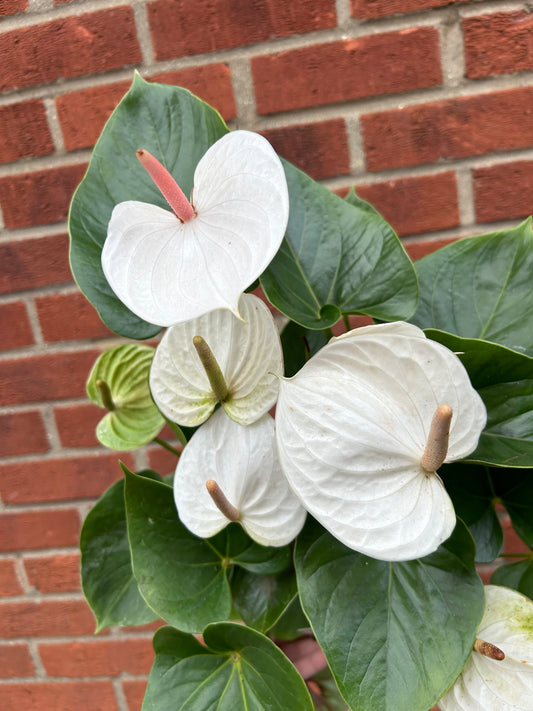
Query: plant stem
x: 167, y: 446
x: 346, y: 322
x: 328, y: 333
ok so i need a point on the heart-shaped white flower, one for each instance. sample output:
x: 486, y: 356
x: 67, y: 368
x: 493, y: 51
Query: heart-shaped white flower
x: 247, y: 352
x: 487, y: 683
x: 353, y: 428
x: 168, y: 267
x: 238, y: 468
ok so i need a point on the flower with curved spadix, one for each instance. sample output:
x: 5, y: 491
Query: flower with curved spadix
x: 169, y: 267
x: 228, y: 472
x: 498, y: 675
x: 362, y: 429
x: 218, y: 358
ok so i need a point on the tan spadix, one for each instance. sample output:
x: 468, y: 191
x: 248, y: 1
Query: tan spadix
x: 221, y: 501
x: 439, y: 434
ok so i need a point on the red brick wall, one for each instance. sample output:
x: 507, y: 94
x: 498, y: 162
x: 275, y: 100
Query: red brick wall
x: 425, y: 105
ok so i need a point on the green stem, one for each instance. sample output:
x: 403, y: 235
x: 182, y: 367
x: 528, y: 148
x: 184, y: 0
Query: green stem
x: 105, y: 395
x: 167, y: 446
x: 346, y: 322
x: 328, y: 333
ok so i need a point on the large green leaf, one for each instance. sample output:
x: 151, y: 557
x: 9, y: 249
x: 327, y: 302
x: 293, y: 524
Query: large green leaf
x: 177, y: 128
x: 518, y: 576
x: 504, y: 379
x: 337, y: 257
x: 480, y: 287
x: 183, y: 578
x: 133, y: 419
x: 239, y: 670
x: 395, y: 634
x: 472, y: 492
x: 260, y: 600
x: 106, y: 572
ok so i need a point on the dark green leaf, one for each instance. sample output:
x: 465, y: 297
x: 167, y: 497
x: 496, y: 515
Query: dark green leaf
x: 480, y: 287
x: 395, y: 634
x: 299, y: 344
x: 518, y: 576
x: 239, y: 670
x: 177, y: 128
x: 504, y: 379
x: 291, y: 623
x: 337, y: 258
x: 106, y: 573
x: 515, y: 489
x: 473, y: 496
x: 261, y: 599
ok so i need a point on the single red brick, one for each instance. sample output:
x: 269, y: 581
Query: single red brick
x: 76, y: 424
x: 134, y: 690
x: 465, y: 126
x: 162, y: 461
x: 9, y: 583
x: 10, y: 7
x: 512, y: 542
x: 417, y: 250
x: 54, y: 573
x: 320, y: 149
x: 39, y: 529
x: 498, y: 43
x: 39, y: 198
x: 59, y: 696
x: 24, y: 131
x: 209, y: 25
x: 45, y: 618
x: 69, y: 47
x: 32, y: 263
x: 366, y: 9
x: 82, y: 114
x: 22, y: 433
x: 504, y: 191
x: 15, y: 326
x: 60, y: 479
x: 415, y: 205
x: 15, y: 660
x: 45, y: 377
x: 385, y: 63
x: 66, y: 317
x: 105, y: 657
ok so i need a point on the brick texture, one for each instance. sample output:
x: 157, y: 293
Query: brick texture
x: 10, y: 7
x: 54, y: 573
x: 207, y: 25
x: 99, y: 658
x: 134, y: 693
x: 33, y: 263
x: 59, y: 696
x: 24, y: 131
x: 68, y: 47
x: 22, y: 433
x: 66, y: 317
x: 15, y: 325
x: 367, y: 9
x: 76, y: 424
x: 39, y: 198
x: 15, y: 660
x: 9, y: 582
x: 498, y: 43
x: 503, y: 191
x: 386, y: 63
x: 467, y: 126
x: 47, y: 618
x: 46, y: 528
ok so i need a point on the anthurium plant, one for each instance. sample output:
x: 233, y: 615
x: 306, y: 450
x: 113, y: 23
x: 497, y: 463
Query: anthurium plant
x: 336, y: 490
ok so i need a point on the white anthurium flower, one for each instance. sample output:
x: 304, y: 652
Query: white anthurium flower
x: 362, y: 429
x: 498, y: 675
x: 228, y: 472
x: 218, y: 358
x: 168, y: 267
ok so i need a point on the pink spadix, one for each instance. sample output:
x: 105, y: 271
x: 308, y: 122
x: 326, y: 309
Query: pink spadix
x: 169, y: 188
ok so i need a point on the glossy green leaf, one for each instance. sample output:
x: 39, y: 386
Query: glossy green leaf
x: 472, y: 492
x: 292, y: 622
x: 518, y: 576
x: 504, y: 379
x: 480, y: 287
x: 134, y: 419
x: 514, y: 487
x: 239, y: 670
x: 337, y: 258
x: 260, y: 600
x: 177, y: 128
x: 183, y: 578
x: 106, y: 572
x: 299, y: 344
x: 395, y: 634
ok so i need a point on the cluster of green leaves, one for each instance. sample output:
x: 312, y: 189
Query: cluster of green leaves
x: 395, y: 635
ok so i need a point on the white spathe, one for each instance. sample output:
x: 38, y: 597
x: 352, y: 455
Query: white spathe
x: 352, y: 426
x: 244, y: 463
x: 167, y: 271
x: 248, y: 353
x: 498, y: 685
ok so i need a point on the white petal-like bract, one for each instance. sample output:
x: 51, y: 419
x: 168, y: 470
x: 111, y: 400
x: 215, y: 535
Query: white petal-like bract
x: 352, y: 426
x: 498, y: 685
x: 244, y: 463
x: 166, y: 271
x: 248, y: 353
